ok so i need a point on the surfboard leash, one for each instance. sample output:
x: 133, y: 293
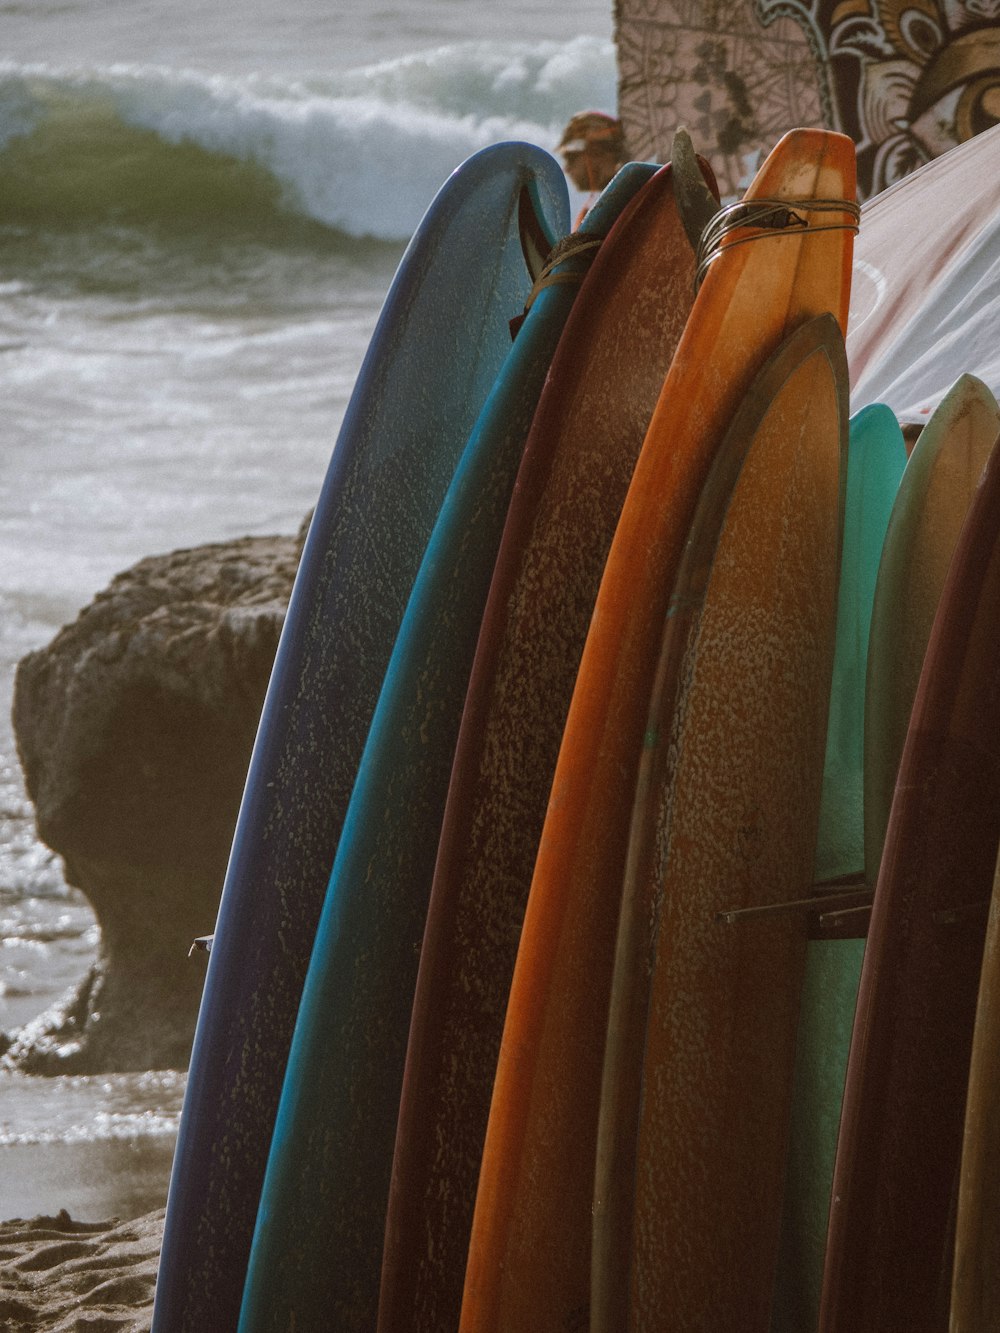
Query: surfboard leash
x: 767, y: 217
x: 575, y: 246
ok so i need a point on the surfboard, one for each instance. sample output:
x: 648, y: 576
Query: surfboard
x: 591, y: 420
x: 889, y: 1254
x: 876, y: 457
x: 876, y: 461
x: 926, y: 518
x: 702, y: 1017
x: 317, y: 1248
x: 975, y: 1292
x: 436, y: 351
x: 934, y: 495
x: 529, y: 1256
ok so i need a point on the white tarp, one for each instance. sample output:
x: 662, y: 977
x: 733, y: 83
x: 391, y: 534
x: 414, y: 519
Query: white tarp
x: 925, y: 301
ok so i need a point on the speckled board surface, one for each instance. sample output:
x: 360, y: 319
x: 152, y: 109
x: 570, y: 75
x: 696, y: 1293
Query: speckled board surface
x: 725, y: 814
x: 733, y: 824
x: 889, y: 1254
x: 317, y: 1250
x: 529, y: 1259
x: 590, y: 423
x: 439, y: 344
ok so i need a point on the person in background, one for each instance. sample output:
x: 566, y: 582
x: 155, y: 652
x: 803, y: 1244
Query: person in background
x: 592, y: 149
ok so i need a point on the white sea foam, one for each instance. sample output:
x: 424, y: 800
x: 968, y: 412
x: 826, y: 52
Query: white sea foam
x: 88, y: 1109
x: 362, y: 151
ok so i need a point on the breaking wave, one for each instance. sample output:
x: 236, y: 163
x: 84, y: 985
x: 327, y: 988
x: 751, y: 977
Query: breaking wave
x: 360, y: 152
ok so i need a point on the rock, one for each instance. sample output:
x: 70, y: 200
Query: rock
x: 134, y: 729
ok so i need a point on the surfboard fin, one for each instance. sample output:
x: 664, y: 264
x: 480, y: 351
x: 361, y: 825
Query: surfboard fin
x: 202, y: 944
x: 855, y: 898
x: 696, y: 203
x: 578, y: 246
x: 535, y: 239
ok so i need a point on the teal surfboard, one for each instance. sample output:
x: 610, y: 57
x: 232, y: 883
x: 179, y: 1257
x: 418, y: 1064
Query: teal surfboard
x: 875, y: 461
x: 438, y: 346
x: 317, y: 1252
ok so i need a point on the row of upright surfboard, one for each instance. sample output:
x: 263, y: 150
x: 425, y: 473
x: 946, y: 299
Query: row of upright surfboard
x: 620, y: 668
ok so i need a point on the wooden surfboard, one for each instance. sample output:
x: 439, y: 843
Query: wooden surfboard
x: 317, y: 1248
x: 876, y: 456
x: 529, y: 1257
x: 889, y: 1255
x: 593, y: 414
x: 975, y: 1292
x: 702, y: 1018
x: 934, y: 495
x: 436, y: 351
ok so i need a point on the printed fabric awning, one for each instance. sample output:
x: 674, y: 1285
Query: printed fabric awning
x: 906, y: 79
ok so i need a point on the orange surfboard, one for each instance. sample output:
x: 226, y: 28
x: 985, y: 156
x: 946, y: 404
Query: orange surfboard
x: 703, y: 1015
x: 529, y: 1256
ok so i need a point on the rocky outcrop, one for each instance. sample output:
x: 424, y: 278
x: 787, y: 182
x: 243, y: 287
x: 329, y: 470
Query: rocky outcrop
x: 135, y: 727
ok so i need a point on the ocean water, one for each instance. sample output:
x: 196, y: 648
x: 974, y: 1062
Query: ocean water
x: 201, y: 209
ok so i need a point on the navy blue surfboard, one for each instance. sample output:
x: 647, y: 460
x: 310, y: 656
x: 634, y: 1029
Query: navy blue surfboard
x: 438, y: 346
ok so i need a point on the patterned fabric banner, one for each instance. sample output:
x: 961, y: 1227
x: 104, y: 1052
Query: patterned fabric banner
x: 906, y: 79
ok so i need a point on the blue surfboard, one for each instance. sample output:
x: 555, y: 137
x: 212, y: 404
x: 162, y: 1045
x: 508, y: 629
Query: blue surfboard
x: 316, y: 1261
x: 438, y: 346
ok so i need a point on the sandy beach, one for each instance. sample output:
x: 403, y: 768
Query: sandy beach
x: 61, y: 1275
